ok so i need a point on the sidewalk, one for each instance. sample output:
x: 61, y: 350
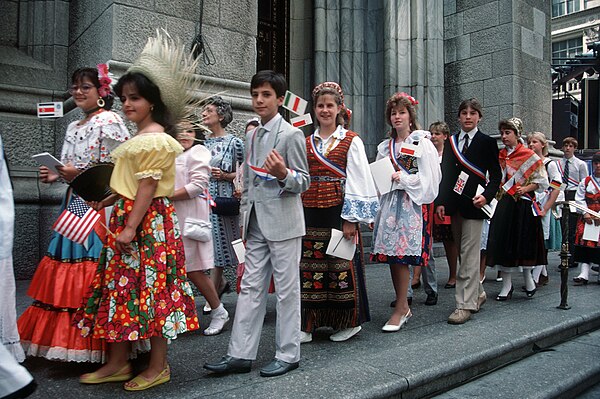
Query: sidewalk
x: 427, y: 356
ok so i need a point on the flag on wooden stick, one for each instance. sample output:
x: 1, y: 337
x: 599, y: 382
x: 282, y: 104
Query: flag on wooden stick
x: 77, y: 221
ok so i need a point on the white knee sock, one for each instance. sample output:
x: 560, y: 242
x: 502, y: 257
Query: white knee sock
x: 506, y: 283
x: 529, y: 283
x: 536, y: 273
x: 585, y: 271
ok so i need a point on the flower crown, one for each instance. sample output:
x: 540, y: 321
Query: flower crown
x: 328, y: 85
x: 410, y: 98
x: 104, y: 78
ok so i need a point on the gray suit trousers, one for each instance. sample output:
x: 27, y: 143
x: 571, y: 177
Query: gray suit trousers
x: 264, y: 258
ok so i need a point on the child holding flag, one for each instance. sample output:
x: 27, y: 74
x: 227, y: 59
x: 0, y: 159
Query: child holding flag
x: 516, y: 240
x: 403, y: 227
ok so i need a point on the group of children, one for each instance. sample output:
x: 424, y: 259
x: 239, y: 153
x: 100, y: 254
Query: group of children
x: 296, y: 189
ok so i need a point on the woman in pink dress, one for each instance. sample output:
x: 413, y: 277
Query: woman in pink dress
x: 192, y: 173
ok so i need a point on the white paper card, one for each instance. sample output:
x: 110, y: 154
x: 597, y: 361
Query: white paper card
x: 591, y: 232
x: 340, y: 247
x: 239, y: 249
x: 46, y: 159
x: 461, y: 182
x: 382, y: 172
x: 490, y: 208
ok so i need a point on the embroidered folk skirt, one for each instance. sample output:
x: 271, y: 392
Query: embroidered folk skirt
x: 146, y: 295
x: 60, y: 282
x: 333, y: 290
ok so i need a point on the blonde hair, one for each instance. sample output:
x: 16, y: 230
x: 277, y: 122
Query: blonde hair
x: 541, y: 137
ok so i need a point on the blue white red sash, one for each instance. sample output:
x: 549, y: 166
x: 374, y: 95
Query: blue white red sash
x: 333, y: 167
x: 562, y: 173
x: 536, y: 207
x: 595, y: 183
x: 463, y: 160
x: 392, y: 149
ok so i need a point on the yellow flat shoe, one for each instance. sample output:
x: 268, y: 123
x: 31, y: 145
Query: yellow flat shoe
x: 122, y: 375
x: 143, y: 384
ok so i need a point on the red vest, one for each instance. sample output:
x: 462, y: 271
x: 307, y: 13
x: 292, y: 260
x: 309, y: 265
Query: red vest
x: 325, y: 194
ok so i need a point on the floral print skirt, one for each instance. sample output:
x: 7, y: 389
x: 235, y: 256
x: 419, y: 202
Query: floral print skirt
x: 146, y: 295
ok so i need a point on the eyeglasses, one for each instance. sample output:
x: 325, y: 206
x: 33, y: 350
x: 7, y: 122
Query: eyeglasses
x: 84, y: 89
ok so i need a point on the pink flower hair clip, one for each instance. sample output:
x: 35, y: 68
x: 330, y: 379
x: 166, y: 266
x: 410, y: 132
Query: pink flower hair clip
x: 410, y: 98
x: 104, y: 79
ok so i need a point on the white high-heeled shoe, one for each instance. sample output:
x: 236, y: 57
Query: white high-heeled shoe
x: 345, y: 334
x: 393, y: 328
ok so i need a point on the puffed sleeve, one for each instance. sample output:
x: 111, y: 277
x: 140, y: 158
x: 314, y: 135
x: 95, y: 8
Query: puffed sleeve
x: 198, y: 170
x: 360, y: 199
x: 113, y: 132
x: 153, y: 163
x: 423, y: 186
x: 580, y: 194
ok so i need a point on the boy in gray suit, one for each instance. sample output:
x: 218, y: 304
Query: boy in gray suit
x: 275, y: 175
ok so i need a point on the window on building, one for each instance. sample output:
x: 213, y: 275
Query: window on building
x: 566, y: 49
x: 564, y: 7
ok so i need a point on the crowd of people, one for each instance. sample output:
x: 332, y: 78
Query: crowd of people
x: 182, y: 194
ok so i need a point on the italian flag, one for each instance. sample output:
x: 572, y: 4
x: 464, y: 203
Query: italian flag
x: 294, y: 103
x: 302, y: 120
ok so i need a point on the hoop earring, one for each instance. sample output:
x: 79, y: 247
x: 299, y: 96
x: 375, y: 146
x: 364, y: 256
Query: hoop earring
x: 100, y: 102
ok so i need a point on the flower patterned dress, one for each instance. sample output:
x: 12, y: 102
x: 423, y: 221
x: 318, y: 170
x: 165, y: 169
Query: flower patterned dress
x: 226, y: 152
x: 137, y: 297
x: 402, y: 231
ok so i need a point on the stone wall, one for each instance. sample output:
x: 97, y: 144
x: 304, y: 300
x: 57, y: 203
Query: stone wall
x: 43, y: 42
x: 499, y: 52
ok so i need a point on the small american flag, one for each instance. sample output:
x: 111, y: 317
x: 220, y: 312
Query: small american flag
x: 77, y: 221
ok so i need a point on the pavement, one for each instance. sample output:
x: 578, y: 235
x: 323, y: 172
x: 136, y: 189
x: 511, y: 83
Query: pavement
x: 426, y: 358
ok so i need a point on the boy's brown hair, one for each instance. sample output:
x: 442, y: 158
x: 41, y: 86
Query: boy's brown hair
x: 473, y: 103
x: 570, y: 140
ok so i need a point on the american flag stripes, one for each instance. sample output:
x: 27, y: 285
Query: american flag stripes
x: 77, y: 221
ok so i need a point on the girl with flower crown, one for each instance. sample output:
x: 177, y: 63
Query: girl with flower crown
x: 65, y: 272
x: 140, y: 291
x: 341, y: 195
x: 403, y: 227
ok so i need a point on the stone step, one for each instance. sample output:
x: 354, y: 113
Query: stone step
x: 562, y: 371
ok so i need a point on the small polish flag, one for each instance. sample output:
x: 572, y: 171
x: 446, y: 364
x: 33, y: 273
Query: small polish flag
x: 410, y: 149
x: 300, y: 121
x: 510, y: 187
x: 50, y: 110
x: 294, y: 103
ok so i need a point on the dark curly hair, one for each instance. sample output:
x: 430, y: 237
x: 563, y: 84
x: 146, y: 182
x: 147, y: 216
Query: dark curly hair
x: 92, y: 74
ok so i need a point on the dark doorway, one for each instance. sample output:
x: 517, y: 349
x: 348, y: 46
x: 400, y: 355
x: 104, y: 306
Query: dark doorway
x: 272, y: 41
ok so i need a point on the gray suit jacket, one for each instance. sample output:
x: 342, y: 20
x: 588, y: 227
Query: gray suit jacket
x: 277, y: 204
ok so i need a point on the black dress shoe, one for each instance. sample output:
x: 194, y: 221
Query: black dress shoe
x: 277, y: 367
x: 393, y: 303
x: 229, y: 364
x: 448, y: 285
x: 580, y: 281
x: 431, y: 299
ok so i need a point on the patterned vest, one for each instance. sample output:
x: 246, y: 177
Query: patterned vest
x: 326, y: 188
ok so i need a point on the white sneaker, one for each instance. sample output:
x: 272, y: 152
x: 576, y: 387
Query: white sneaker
x: 345, y: 334
x: 305, y: 337
x: 217, y: 322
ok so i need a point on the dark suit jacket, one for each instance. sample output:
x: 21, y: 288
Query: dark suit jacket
x: 483, y: 152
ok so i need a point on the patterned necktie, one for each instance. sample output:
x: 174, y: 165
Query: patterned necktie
x: 566, y: 173
x: 466, y: 144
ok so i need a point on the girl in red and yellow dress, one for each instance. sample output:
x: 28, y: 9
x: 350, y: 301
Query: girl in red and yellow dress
x: 65, y: 272
x: 140, y: 290
x: 588, y: 195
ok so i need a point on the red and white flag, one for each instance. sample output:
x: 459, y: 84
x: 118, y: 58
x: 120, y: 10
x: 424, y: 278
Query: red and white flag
x: 294, y: 103
x: 50, y: 110
x: 300, y: 121
x: 77, y: 221
x: 510, y: 187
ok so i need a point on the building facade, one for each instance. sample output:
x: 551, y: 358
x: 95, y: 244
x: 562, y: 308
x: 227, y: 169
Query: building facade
x: 439, y: 51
